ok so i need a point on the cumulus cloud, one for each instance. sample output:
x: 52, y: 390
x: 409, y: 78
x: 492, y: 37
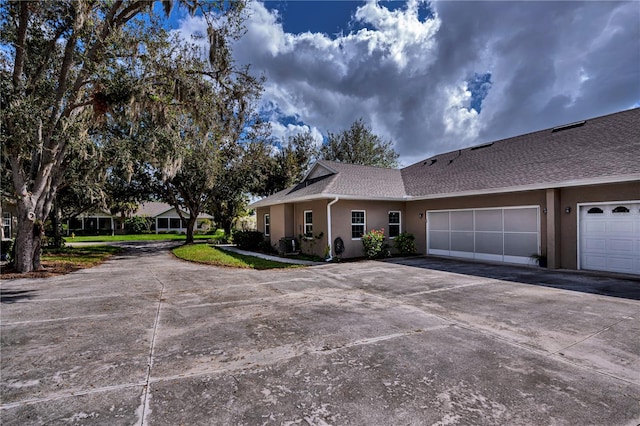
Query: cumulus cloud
x: 465, y: 73
x: 283, y: 132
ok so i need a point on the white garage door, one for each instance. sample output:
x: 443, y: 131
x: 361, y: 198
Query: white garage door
x: 509, y: 234
x: 610, y: 237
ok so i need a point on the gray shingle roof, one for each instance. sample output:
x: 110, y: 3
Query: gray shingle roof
x: 605, y: 147
x: 348, y: 181
x: 155, y: 208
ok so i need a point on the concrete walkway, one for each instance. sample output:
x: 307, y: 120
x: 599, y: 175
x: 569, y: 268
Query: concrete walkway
x: 146, y: 339
x: 235, y: 249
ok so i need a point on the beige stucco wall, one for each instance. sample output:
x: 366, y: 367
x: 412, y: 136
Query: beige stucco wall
x: 319, y: 210
x: 376, y: 217
x: 260, y: 212
x: 558, y: 238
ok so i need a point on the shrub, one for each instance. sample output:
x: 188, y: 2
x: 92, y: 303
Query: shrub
x: 373, y: 243
x: 137, y: 224
x: 6, y: 250
x: 405, y: 243
x: 248, y: 240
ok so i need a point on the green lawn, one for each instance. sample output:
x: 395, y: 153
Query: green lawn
x: 84, y: 257
x: 203, y: 253
x: 140, y: 237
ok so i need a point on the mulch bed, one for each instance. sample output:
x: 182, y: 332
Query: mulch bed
x: 51, y: 269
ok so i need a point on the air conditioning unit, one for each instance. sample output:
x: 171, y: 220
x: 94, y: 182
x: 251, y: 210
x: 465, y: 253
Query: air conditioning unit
x: 288, y: 245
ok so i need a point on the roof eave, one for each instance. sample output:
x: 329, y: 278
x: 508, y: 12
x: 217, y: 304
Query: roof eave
x: 532, y: 187
x: 316, y: 197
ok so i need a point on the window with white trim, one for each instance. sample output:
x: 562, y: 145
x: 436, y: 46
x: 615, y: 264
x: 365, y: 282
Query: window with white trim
x: 394, y: 224
x: 308, y: 224
x: 358, y: 224
x: 267, y: 225
x: 6, y: 224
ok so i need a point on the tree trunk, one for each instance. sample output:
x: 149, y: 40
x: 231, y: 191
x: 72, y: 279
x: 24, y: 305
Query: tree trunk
x: 28, y: 239
x: 2, y: 227
x: 55, y: 224
x: 226, y: 225
x: 191, y: 224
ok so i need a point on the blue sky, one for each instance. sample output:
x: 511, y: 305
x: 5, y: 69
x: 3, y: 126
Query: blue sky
x: 438, y: 76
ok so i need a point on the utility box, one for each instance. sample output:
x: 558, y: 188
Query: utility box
x: 288, y: 245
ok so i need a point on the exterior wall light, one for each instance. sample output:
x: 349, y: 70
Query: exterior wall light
x: 420, y: 215
x: 567, y: 210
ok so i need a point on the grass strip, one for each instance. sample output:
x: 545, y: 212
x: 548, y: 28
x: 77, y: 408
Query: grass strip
x: 65, y: 260
x: 135, y: 237
x: 209, y: 255
x: 83, y: 257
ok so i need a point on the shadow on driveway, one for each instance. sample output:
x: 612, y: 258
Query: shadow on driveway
x: 586, y: 282
x: 13, y: 296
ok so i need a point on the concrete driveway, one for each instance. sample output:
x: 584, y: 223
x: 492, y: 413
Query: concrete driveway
x: 148, y: 339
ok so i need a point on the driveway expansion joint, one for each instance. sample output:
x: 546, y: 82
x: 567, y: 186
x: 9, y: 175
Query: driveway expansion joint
x: 144, y: 409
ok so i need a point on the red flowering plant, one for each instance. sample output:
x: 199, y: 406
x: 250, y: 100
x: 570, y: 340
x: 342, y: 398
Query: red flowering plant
x: 374, y: 245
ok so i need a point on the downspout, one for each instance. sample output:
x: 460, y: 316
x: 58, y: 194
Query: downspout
x: 330, y: 258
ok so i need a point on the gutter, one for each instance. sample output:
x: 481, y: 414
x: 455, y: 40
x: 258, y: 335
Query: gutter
x: 330, y: 258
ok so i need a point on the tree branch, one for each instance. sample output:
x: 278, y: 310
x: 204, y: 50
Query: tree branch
x: 20, y: 43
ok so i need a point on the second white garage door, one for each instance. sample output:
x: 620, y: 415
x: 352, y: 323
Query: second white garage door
x: 610, y: 237
x: 508, y: 234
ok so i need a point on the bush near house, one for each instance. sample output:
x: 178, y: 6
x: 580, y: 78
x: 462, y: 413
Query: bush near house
x: 137, y: 225
x: 6, y: 250
x: 374, y: 245
x: 405, y: 243
x: 248, y: 240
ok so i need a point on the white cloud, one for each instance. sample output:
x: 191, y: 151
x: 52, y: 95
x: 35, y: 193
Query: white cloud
x: 460, y: 121
x: 550, y: 63
x: 284, y: 132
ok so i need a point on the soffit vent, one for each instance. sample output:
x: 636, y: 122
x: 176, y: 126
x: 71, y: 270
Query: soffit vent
x: 568, y: 126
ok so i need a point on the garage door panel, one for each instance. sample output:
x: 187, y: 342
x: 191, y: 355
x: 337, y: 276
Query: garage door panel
x: 489, y: 242
x: 521, y: 220
x: 621, y: 245
x: 439, y: 240
x: 594, y: 227
x: 596, y: 244
x: 462, y: 221
x: 622, y: 264
x: 488, y: 220
x: 520, y: 244
x: 595, y: 262
x: 439, y: 221
x: 616, y: 226
x: 462, y: 241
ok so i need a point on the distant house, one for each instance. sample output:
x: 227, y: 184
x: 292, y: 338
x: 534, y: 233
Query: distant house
x: 93, y: 222
x: 9, y: 219
x: 571, y: 193
x: 164, y: 218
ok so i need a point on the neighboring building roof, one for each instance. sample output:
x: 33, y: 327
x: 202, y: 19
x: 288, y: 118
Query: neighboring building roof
x: 152, y: 208
x: 599, y: 150
x: 155, y: 208
x: 328, y: 179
